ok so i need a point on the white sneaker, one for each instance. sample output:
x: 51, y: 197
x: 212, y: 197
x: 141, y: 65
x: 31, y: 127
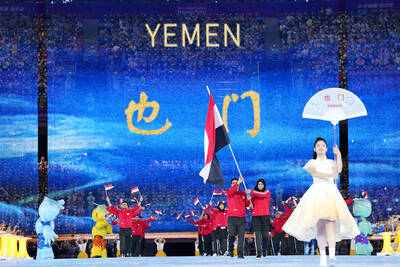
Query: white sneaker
x: 215, y: 255
x: 226, y: 253
x: 279, y: 254
x: 322, y: 261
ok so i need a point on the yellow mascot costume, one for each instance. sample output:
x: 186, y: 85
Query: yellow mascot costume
x: 397, y: 238
x: 99, y: 232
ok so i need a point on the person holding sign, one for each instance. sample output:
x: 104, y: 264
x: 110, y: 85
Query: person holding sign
x: 322, y: 212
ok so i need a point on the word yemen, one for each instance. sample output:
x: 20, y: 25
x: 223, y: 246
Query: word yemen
x: 169, y: 33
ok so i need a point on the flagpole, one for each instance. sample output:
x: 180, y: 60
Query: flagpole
x: 201, y: 204
x: 212, y: 194
x: 335, y: 180
x: 237, y: 166
x: 141, y: 196
x: 233, y: 155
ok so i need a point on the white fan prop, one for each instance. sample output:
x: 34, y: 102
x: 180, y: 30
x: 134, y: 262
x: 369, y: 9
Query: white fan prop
x: 334, y: 105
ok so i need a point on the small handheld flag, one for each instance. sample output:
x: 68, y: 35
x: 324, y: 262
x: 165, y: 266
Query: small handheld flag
x: 196, y: 201
x: 108, y: 187
x: 177, y: 217
x: 192, y: 213
x: 135, y: 189
x: 217, y: 193
x: 186, y: 216
x: 158, y: 212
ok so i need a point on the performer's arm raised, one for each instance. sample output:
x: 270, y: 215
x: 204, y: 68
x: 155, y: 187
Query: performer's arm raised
x: 339, y: 163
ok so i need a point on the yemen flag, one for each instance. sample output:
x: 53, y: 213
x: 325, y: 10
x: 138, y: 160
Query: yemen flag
x: 196, y: 201
x: 217, y: 193
x: 134, y: 190
x: 108, y: 187
x: 158, y: 212
x: 215, y: 138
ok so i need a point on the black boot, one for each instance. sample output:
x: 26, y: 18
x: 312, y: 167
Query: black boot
x: 231, y: 245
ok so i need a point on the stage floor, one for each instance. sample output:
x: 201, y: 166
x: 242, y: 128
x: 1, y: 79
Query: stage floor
x: 295, y: 261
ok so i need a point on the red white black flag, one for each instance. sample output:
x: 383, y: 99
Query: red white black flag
x: 196, y: 201
x: 217, y: 193
x: 215, y: 138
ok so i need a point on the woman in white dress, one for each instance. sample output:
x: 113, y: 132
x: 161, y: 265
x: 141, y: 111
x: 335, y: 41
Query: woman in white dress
x: 322, y: 213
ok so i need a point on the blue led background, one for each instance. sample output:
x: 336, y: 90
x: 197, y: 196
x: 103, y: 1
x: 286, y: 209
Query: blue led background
x: 90, y: 144
x: 18, y: 118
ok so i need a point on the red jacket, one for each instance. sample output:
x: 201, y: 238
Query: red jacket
x: 146, y: 226
x: 213, y: 223
x: 201, y: 224
x: 237, y: 202
x: 288, y: 211
x: 221, y: 217
x: 260, y: 201
x: 205, y: 225
x: 139, y: 226
x: 209, y: 226
x: 125, y: 215
x: 278, y: 224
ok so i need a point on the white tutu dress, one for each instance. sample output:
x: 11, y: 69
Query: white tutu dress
x: 321, y: 201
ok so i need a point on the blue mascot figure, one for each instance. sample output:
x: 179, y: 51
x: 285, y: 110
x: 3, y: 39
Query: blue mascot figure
x: 361, y: 210
x: 48, y: 210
